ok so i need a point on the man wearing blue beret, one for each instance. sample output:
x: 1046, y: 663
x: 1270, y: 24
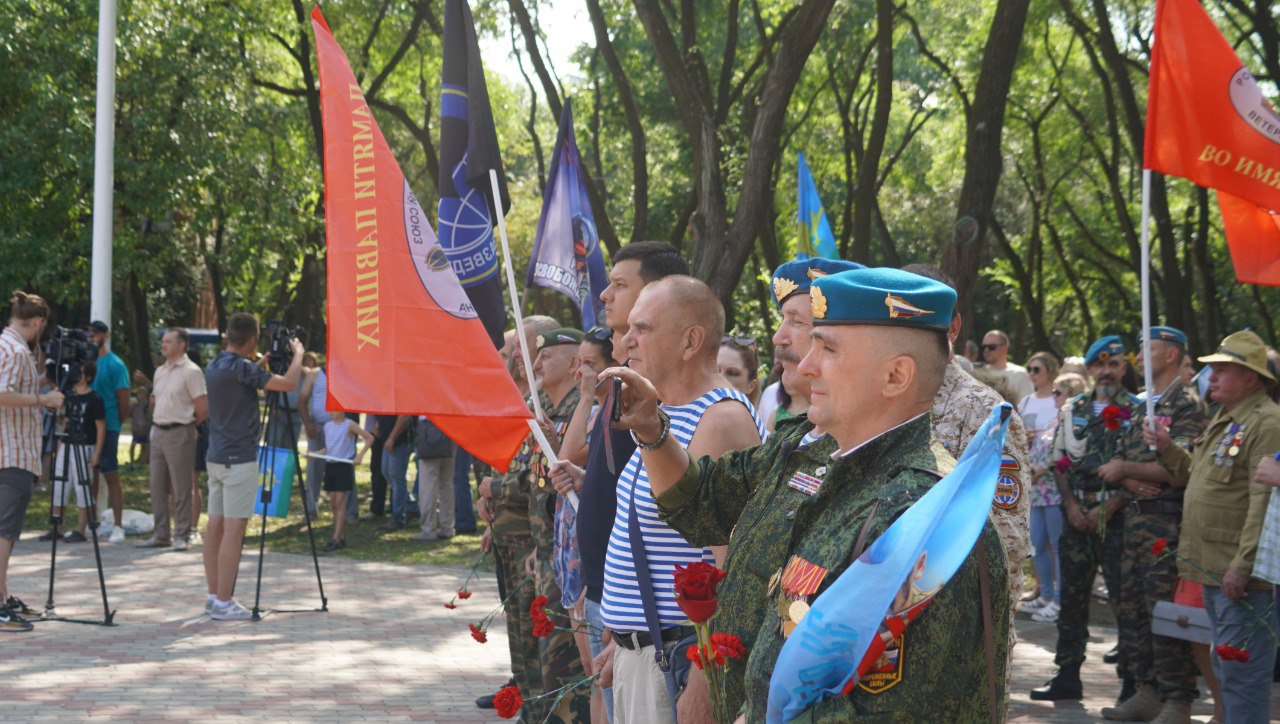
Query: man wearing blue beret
x: 877, y: 360
x: 1092, y: 431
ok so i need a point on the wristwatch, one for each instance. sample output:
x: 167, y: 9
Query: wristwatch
x: 665, y: 419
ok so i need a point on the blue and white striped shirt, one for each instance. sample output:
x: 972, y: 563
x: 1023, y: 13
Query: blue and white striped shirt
x: 621, y: 607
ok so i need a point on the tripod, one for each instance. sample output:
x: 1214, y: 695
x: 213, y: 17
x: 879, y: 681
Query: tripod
x: 74, y: 454
x: 277, y: 401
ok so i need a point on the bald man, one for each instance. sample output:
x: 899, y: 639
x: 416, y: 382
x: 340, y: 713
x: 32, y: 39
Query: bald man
x: 673, y: 341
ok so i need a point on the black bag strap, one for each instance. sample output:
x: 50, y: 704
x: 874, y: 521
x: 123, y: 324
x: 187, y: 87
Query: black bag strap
x: 648, y: 601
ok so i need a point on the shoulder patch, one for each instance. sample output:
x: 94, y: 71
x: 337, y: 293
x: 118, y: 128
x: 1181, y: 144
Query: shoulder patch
x: 1008, y: 484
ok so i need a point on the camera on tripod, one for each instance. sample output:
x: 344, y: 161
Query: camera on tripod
x: 279, y: 345
x: 66, y: 351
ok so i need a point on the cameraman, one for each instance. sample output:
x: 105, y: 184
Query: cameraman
x: 20, y: 403
x: 233, y: 381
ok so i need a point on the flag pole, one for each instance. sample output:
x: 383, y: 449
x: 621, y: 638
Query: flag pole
x: 515, y: 298
x: 1146, y: 292
x: 103, y: 164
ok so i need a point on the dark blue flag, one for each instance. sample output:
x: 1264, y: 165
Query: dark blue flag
x: 566, y: 251
x: 468, y: 151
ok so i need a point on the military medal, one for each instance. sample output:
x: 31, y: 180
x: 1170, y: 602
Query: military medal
x: 774, y: 581
x: 787, y: 628
x: 797, y: 610
x: 801, y: 578
x: 805, y: 483
x: 821, y: 471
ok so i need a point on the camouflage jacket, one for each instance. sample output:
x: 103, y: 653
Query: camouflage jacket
x: 542, y: 496
x: 511, y: 492
x: 959, y: 409
x: 1084, y: 438
x: 1179, y: 409
x: 765, y: 488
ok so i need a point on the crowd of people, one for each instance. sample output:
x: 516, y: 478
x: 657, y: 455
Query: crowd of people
x: 665, y: 432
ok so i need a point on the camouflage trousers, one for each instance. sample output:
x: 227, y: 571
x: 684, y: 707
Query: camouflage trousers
x: 559, y: 660
x: 1165, y: 662
x: 1081, y: 556
x: 510, y: 556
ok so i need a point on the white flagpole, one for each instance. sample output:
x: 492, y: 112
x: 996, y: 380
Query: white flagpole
x: 515, y: 298
x: 103, y: 164
x: 1146, y: 293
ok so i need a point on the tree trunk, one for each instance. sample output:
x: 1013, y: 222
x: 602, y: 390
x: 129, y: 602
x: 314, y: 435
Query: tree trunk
x: 869, y: 168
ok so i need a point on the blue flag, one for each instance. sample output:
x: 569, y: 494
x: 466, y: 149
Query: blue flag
x: 468, y: 150
x: 280, y: 465
x: 869, y: 605
x: 816, y: 238
x: 566, y: 251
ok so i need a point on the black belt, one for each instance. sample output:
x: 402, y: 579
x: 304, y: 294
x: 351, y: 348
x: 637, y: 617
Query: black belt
x: 173, y: 425
x: 636, y: 640
x: 1156, y: 506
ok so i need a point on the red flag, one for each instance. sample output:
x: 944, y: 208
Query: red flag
x: 1206, y: 119
x: 1253, y: 236
x: 403, y: 337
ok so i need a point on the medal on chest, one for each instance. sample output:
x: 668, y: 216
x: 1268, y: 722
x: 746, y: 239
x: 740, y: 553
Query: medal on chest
x: 795, y: 584
x: 806, y: 483
x: 1228, y: 447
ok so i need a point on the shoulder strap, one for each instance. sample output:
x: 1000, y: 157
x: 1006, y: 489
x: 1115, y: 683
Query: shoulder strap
x: 988, y: 638
x: 648, y: 601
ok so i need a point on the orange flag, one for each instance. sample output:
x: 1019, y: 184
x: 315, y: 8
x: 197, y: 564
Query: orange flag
x: 1207, y: 121
x: 403, y: 337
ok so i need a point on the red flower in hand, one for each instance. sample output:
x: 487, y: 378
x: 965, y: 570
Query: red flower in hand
x: 464, y: 593
x: 1158, y: 547
x: 450, y: 606
x: 727, y: 645
x: 695, y: 586
x: 1227, y: 652
x: 477, y: 633
x: 542, y: 627
x: 694, y: 654
x: 1113, y: 415
x: 1063, y: 465
x: 508, y: 702
x: 536, y: 609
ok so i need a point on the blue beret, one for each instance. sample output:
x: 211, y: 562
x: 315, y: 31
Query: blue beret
x: 794, y: 277
x: 884, y: 296
x: 1166, y: 334
x: 1103, y: 349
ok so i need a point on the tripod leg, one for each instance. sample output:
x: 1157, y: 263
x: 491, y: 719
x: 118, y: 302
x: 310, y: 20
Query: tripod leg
x: 83, y: 473
x: 57, y: 498
x: 301, y: 485
x: 267, y: 480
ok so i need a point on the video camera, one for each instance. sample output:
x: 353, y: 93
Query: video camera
x: 66, y: 351
x: 279, y: 349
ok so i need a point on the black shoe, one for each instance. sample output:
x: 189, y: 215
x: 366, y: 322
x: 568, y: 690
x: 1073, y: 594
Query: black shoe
x: 1065, y: 686
x: 74, y: 536
x: 486, y: 701
x: 48, y: 536
x: 16, y: 605
x: 11, y: 622
x: 467, y: 531
x: 1112, y: 656
x: 1128, y: 689
x: 331, y: 546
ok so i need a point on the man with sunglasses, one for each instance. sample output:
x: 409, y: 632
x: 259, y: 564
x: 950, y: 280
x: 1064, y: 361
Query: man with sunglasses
x: 995, y: 356
x: 1093, y: 430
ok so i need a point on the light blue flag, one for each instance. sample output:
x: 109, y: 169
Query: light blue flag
x: 898, y: 575
x: 815, y: 232
x: 279, y: 462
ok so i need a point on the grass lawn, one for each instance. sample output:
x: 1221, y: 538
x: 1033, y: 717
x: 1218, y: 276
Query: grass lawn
x: 365, y: 538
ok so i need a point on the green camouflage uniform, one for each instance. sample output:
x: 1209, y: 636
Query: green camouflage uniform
x: 558, y: 656
x: 1083, y: 437
x: 931, y: 682
x: 512, y: 544
x: 1164, y: 662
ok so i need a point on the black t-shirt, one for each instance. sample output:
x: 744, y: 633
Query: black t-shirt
x: 598, y: 502
x: 83, y: 413
x: 385, y: 423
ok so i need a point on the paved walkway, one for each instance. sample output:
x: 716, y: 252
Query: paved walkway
x: 386, y: 650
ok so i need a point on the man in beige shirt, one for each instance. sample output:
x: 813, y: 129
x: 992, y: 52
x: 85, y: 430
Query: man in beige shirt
x: 179, y: 403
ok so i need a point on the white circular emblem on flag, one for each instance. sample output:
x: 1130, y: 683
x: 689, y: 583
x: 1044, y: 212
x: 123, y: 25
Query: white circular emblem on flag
x: 432, y: 264
x: 1008, y: 484
x: 1248, y: 101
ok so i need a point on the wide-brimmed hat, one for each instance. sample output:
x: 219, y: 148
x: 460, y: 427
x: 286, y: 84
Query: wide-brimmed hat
x: 1245, y: 349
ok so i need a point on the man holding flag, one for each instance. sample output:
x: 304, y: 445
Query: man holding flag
x: 874, y: 375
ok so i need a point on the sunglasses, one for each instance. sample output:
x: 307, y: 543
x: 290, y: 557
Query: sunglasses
x: 990, y: 347
x: 740, y: 340
x: 600, y: 334
x: 1058, y: 393
x: 1035, y: 369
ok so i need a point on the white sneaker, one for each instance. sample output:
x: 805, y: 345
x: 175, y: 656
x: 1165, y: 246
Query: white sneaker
x: 1048, y: 614
x: 117, y: 535
x: 179, y: 544
x: 1033, y: 605
x: 195, y: 539
x: 232, y: 611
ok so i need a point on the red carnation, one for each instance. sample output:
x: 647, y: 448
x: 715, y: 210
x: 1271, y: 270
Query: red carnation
x: 542, y: 627
x: 727, y: 645
x: 464, y: 593
x: 1063, y: 465
x: 1113, y: 415
x: 536, y: 608
x: 477, y: 633
x: 694, y: 654
x: 1158, y: 547
x: 450, y: 606
x: 1227, y: 652
x: 695, y: 587
x: 508, y: 702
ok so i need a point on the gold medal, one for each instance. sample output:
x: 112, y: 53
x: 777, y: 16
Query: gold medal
x: 787, y: 628
x: 820, y: 471
x: 797, y: 610
x: 1234, y: 451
